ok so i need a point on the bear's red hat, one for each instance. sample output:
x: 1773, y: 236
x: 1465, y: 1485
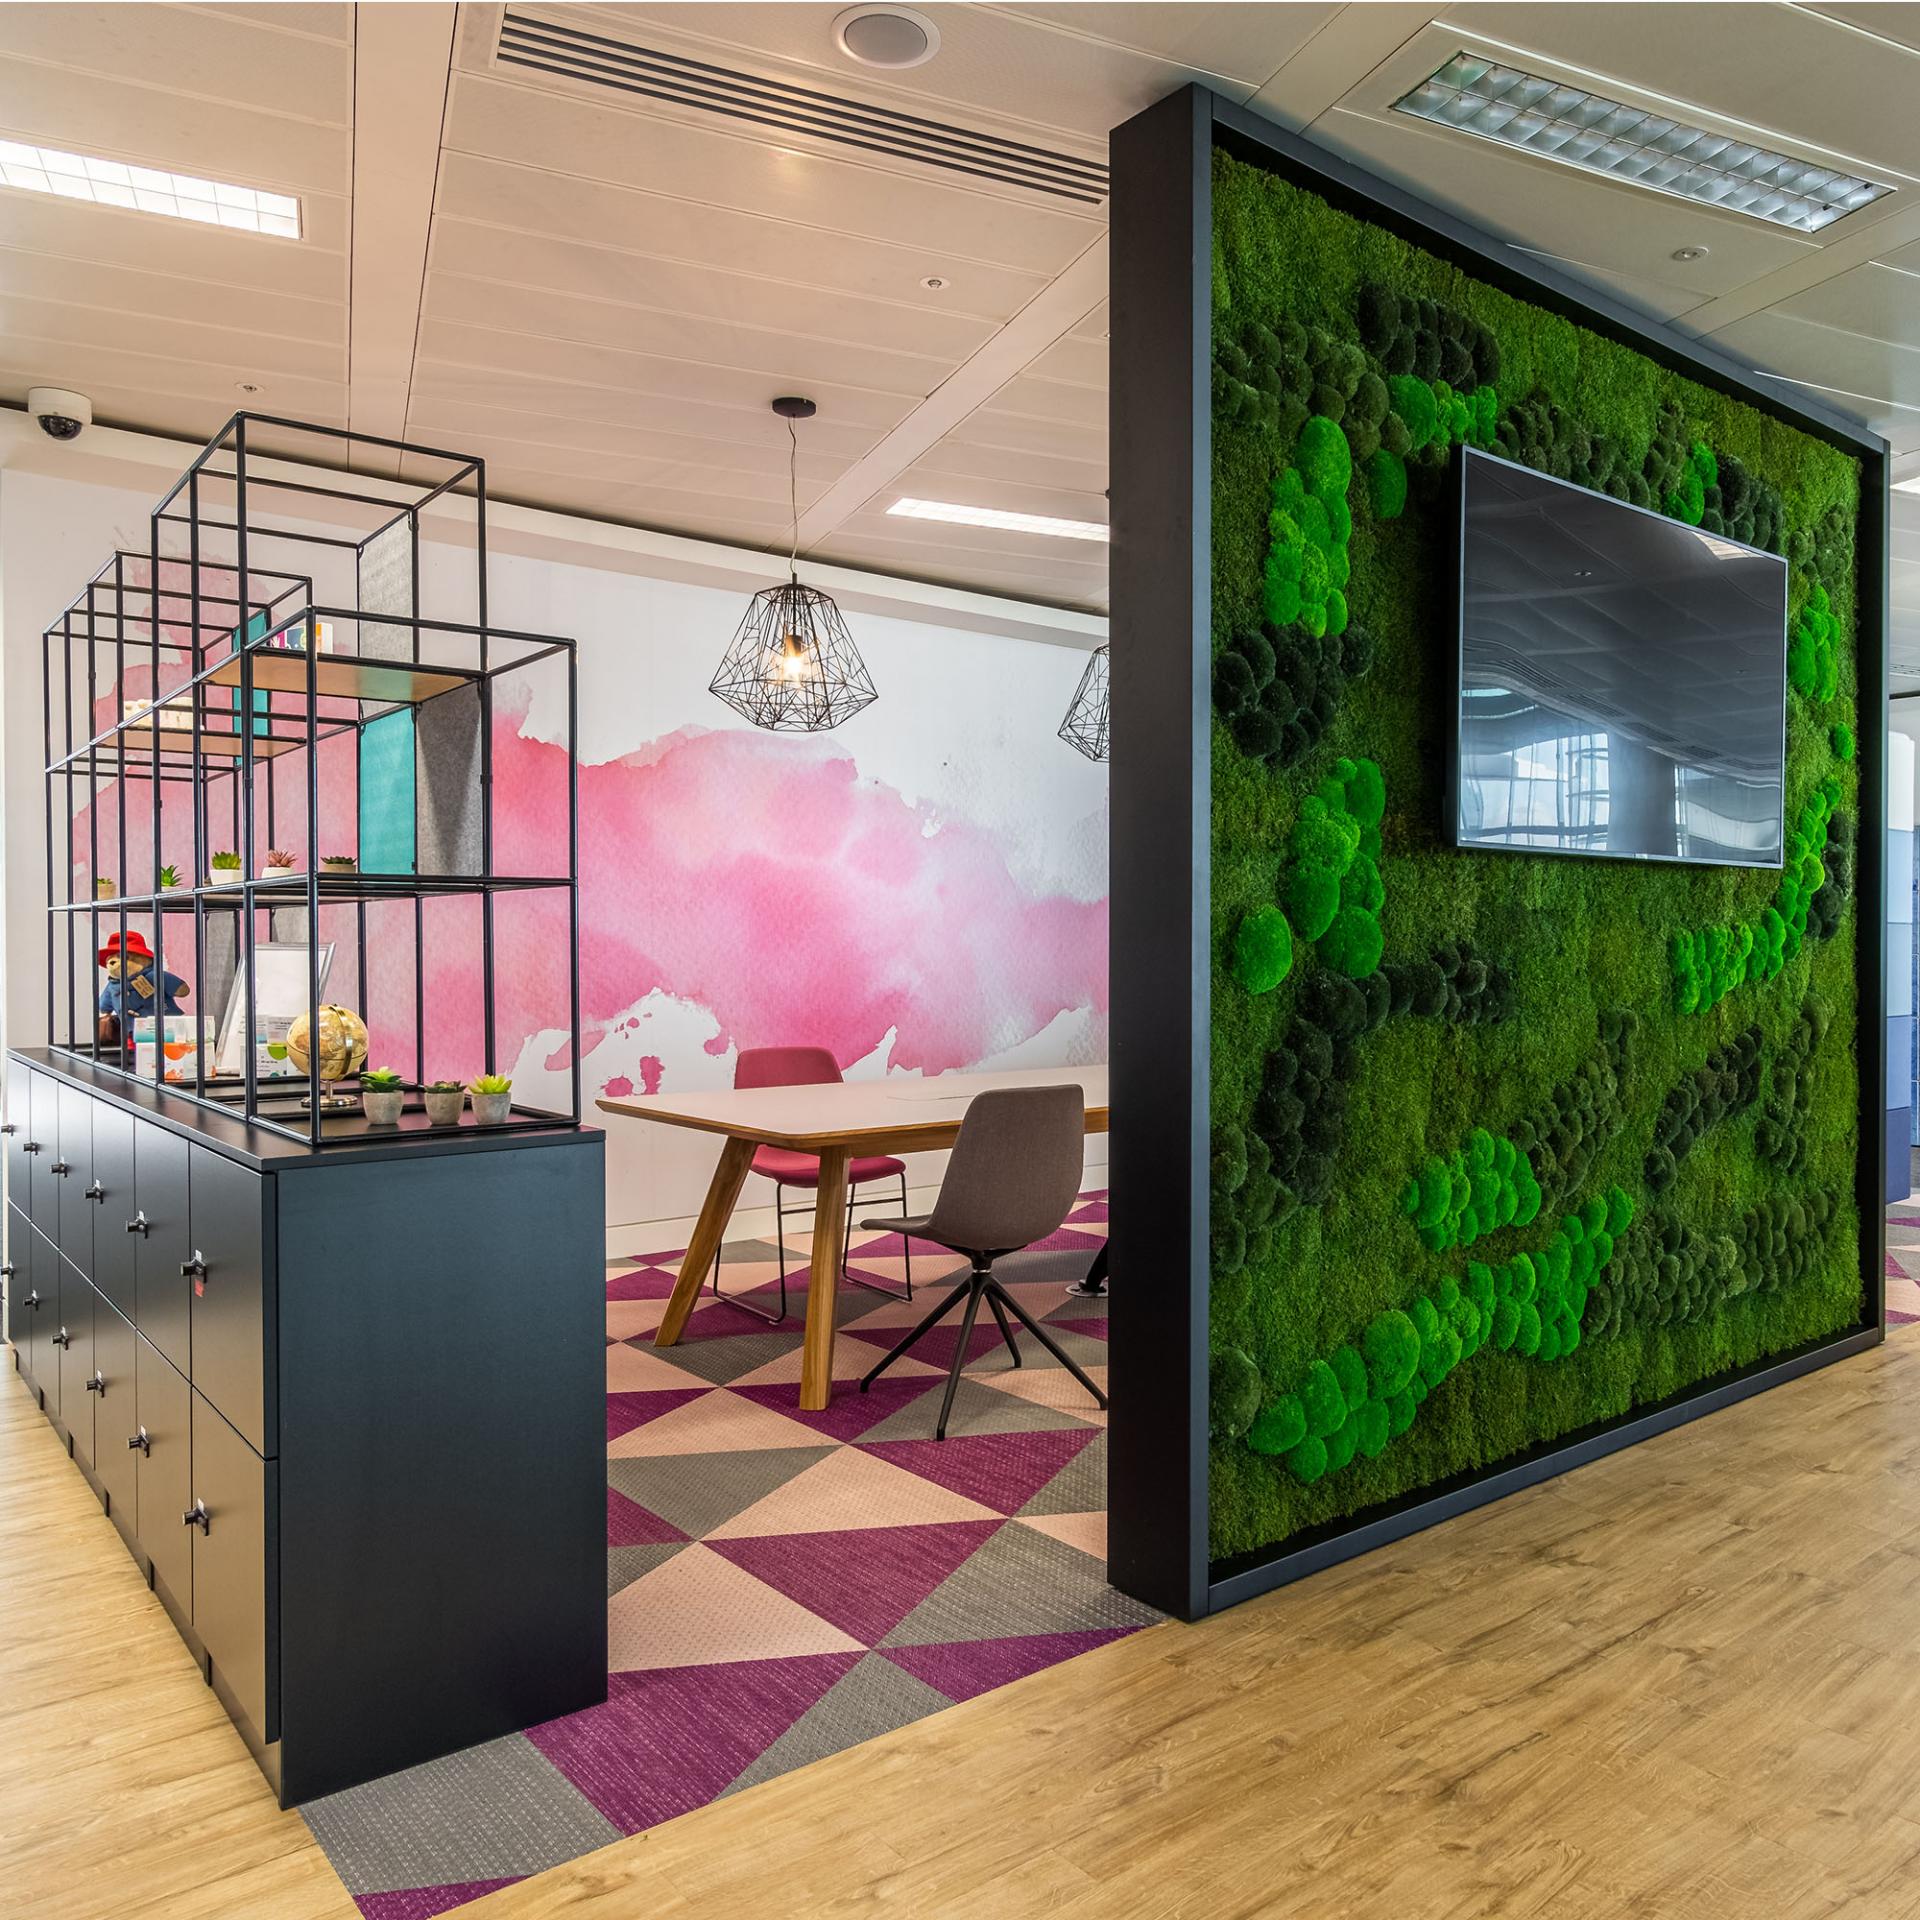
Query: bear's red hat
x: 136, y: 946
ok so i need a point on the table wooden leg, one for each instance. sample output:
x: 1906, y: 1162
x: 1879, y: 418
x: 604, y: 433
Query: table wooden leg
x: 829, y: 1222
x: 728, y: 1178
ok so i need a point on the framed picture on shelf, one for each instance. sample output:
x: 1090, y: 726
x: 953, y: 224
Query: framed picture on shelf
x: 282, y: 967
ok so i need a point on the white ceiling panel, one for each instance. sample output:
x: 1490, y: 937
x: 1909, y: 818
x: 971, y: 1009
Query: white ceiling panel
x: 1662, y: 299
x: 762, y: 483
x: 713, y: 161
x: 1873, y: 299
x: 965, y: 460
x: 584, y: 444
x: 440, y: 387
x: 138, y: 296
x: 1005, y: 431
x: 61, y: 361
x: 290, y: 16
x: 242, y: 348
x: 231, y: 60
x: 1805, y: 350
x: 467, y: 344
x: 658, y: 226
x: 642, y: 284
x: 780, y: 353
x: 1240, y: 44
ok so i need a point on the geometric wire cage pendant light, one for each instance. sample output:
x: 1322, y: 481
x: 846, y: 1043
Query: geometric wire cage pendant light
x: 791, y: 666
x: 1085, y: 727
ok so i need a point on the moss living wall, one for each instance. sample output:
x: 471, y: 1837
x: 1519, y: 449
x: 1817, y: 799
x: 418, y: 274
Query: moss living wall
x: 1504, y: 1145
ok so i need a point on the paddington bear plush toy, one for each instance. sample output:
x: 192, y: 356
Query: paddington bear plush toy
x: 132, y: 990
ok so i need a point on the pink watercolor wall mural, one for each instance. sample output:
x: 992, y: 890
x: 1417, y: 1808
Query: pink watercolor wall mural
x: 761, y: 879
x: 921, y: 892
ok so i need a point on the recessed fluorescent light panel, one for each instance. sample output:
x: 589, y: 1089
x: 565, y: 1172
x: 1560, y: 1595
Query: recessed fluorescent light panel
x: 1588, y: 130
x: 178, y: 196
x: 998, y: 517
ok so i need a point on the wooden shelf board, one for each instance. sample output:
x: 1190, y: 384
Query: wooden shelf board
x: 213, y: 746
x: 400, y: 682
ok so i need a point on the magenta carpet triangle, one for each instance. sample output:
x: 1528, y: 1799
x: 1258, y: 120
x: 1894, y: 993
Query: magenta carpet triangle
x: 423, y: 1903
x: 640, y: 1283
x: 935, y: 1347
x: 625, y: 1411
x: 867, y: 1583
x: 669, y: 1741
x: 1068, y: 1240
x: 1000, y: 1470
x: 852, y: 1412
x: 629, y: 1524
x: 962, y: 1668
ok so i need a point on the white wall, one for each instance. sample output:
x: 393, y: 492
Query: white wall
x: 960, y: 744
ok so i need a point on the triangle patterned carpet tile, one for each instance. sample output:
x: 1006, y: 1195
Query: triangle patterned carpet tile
x: 783, y: 1583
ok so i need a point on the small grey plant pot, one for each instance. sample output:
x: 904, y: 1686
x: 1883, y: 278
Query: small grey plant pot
x: 443, y: 1108
x: 383, y: 1109
x: 491, y: 1109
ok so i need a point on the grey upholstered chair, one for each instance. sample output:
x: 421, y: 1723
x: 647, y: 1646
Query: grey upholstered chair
x: 1013, y: 1177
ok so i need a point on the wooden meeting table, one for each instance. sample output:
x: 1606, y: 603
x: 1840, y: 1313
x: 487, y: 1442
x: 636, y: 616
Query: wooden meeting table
x: 839, y: 1121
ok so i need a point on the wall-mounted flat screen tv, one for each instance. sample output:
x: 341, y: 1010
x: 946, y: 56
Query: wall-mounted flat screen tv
x: 1622, y: 678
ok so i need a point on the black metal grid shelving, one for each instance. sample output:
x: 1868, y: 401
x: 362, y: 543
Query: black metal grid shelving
x: 239, y: 700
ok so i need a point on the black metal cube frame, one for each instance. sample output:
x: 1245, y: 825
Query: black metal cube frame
x: 282, y: 700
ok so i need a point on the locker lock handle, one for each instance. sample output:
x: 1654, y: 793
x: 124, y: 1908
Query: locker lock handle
x: 140, y: 1223
x: 141, y: 1441
x: 198, y: 1516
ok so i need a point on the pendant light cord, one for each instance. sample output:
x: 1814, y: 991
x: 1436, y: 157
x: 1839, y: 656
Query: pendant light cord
x: 793, y: 502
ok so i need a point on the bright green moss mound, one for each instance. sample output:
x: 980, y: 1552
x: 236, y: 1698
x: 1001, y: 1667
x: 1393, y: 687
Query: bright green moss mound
x: 1514, y: 1054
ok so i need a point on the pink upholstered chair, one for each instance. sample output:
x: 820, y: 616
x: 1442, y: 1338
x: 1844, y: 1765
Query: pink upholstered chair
x: 806, y: 1067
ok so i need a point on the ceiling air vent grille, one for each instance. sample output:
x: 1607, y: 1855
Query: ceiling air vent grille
x: 592, y: 57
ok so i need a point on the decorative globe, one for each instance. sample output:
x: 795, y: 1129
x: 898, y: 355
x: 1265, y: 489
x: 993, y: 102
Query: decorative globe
x: 343, y: 1042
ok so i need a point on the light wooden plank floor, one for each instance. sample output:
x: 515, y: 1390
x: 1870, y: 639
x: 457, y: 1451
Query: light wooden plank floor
x: 1682, y: 1681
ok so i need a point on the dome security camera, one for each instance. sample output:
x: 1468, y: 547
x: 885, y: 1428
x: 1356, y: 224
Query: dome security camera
x: 62, y: 415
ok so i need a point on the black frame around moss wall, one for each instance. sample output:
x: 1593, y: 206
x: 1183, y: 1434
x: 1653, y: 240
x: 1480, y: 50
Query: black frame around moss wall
x: 1161, y: 800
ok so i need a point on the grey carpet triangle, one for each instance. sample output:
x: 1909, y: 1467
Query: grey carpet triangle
x: 625, y: 1565
x: 1079, y: 1487
x: 720, y: 1361
x: 1020, y: 1582
x: 696, y: 1491
x: 872, y: 1698
x: 976, y: 1409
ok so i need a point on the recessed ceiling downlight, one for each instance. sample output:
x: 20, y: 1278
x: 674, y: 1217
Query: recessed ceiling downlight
x: 886, y: 36
x: 1588, y: 130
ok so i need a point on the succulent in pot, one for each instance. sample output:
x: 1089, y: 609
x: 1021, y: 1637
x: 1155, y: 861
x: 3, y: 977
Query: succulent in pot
x: 103, y: 886
x: 339, y: 863
x: 279, y: 863
x: 444, y: 1099
x: 169, y: 878
x: 382, y: 1093
x: 492, y: 1098
x: 224, y: 867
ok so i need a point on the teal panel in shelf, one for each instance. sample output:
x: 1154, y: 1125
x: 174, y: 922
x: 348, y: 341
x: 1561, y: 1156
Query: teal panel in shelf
x: 386, y: 793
